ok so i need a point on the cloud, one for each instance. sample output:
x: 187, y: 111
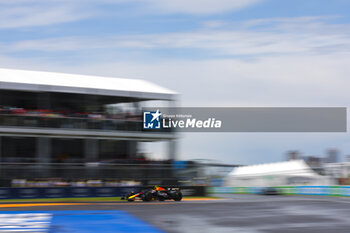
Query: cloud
x: 18, y: 13
x: 192, y: 7
x: 33, y: 13
x: 239, y: 64
x: 199, y: 6
x: 284, y: 36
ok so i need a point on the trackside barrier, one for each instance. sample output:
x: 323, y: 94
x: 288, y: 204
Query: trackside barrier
x: 287, y: 190
x: 67, y: 192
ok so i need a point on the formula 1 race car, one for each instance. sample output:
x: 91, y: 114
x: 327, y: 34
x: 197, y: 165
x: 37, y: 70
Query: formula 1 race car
x: 157, y: 193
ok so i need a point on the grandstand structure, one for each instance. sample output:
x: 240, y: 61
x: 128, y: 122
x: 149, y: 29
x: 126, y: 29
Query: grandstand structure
x: 64, y: 118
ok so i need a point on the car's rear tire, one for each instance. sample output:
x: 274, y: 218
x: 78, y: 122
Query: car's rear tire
x: 147, y: 196
x: 178, y: 197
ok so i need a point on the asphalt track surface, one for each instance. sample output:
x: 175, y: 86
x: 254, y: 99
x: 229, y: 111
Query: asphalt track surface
x: 233, y: 213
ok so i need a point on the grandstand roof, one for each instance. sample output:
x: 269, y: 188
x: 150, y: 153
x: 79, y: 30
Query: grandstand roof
x: 82, y: 84
x: 293, y: 167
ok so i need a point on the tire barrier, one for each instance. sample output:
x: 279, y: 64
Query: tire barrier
x: 67, y: 192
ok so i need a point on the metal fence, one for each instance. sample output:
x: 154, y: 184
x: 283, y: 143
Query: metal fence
x: 144, y: 173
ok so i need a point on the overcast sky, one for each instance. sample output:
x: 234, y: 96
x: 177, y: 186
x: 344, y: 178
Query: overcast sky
x: 213, y: 52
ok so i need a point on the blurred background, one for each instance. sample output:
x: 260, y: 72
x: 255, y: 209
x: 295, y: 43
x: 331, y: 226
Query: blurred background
x: 75, y: 75
x: 253, y: 53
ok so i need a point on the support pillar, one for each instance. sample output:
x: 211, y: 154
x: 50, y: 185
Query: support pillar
x: 43, y: 150
x: 91, y: 150
x: 132, y: 149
